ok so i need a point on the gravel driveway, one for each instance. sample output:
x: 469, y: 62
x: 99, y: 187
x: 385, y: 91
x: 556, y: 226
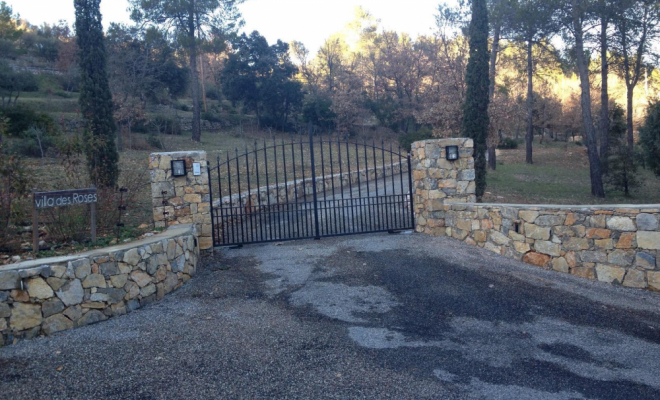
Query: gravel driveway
x: 376, y: 316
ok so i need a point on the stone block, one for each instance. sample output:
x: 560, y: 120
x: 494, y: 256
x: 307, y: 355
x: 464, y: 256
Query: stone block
x: 560, y: 264
x: 550, y: 220
x: 610, y: 273
x: 584, y: 272
x: 528, y: 216
x: 25, y: 316
x: 645, y: 260
x: 9, y: 280
x: 635, y: 279
x: 605, y: 244
x: 598, y: 233
x: 536, y: 232
x: 622, y: 224
x: 593, y: 256
x: 56, y: 323
x: 541, y: 260
x: 91, y: 317
x: 648, y: 240
x: 94, y: 280
x: 653, y: 280
x: 39, y: 289
x: 51, y: 307
x: 647, y: 222
x: 71, y: 293
x: 623, y: 258
x: 549, y: 248
x: 626, y: 241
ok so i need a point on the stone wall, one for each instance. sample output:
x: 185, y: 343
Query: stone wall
x: 45, y: 296
x: 618, y: 244
x: 437, y: 181
x: 615, y: 244
x: 182, y: 200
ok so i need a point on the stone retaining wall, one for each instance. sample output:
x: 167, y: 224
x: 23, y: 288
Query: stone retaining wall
x: 615, y: 244
x: 45, y: 296
x: 619, y: 244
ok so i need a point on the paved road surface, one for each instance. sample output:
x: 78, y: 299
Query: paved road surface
x: 375, y: 316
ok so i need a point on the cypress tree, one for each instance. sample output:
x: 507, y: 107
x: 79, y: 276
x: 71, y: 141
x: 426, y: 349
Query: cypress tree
x: 475, y: 109
x: 95, y: 97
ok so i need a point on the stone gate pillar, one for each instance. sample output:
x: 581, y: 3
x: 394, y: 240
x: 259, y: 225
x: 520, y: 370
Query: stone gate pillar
x: 185, y: 199
x: 438, y: 181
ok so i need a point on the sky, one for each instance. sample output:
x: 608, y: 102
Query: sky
x: 308, y: 21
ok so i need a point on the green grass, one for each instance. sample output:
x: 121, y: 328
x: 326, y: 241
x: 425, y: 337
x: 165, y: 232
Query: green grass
x: 559, y: 176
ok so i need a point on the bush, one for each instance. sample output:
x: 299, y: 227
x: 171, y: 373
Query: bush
x: 182, y: 107
x: 508, y: 144
x: 20, y: 119
x: 408, y: 139
x: 213, y: 93
x: 649, y: 138
x: 154, y: 141
x: 34, y: 143
x: 211, y: 117
x: 167, y: 125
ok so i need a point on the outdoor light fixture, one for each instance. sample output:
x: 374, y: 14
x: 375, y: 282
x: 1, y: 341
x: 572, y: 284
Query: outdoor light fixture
x: 178, y: 168
x: 452, y: 153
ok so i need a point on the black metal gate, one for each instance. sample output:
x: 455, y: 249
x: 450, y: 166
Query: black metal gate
x: 309, y: 189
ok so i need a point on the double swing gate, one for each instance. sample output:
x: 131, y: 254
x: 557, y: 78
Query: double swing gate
x: 309, y: 189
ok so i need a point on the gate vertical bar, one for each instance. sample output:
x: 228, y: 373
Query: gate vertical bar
x: 410, y: 188
x: 270, y: 210
x: 317, y: 232
x: 213, y: 221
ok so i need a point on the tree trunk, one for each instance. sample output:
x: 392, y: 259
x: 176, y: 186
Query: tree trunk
x: 492, y: 158
x: 590, y: 132
x: 201, y: 67
x: 192, y: 48
x: 604, y: 99
x: 492, y: 162
x: 529, y: 137
x: 629, y: 117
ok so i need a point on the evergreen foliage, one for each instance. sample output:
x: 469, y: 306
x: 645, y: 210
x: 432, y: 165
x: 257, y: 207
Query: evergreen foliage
x: 649, y: 135
x: 475, y: 110
x: 622, y: 167
x: 95, y: 97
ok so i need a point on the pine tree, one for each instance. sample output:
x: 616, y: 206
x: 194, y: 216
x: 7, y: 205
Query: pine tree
x: 622, y: 172
x: 95, y: 97
x: 475, y: 117
x: 649, y: 138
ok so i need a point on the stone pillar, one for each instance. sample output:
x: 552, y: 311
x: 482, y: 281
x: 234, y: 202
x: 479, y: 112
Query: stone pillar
x: 185, y: 199
x: 437, y: 181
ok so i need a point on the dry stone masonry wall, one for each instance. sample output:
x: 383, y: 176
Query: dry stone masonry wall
x: 46, y: 296
x: 615, y: 244
x: 182, y: 200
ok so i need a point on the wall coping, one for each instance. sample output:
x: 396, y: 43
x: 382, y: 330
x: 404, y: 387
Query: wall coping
x: 172, y: 232
x: 654, y: 207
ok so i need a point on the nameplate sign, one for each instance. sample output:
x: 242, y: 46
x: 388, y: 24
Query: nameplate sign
x: 64, y: 198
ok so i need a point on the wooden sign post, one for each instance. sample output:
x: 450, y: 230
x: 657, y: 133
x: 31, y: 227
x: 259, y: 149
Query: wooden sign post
x: 62, y: 198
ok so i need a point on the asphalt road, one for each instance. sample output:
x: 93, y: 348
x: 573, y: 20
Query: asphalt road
x: 375, y: 316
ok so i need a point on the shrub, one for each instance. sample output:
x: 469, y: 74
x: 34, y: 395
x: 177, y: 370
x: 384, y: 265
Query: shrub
x: 154, y: 141
x: 167, y: 125
x: 20, y: 119
x: 211, y: 117
x: 213, y: 93
x: 34, y: 143
x: 508, y: 144
x: 649, y: 138
x: 408, y: 139
x: 15, y: 184
x: 182, y: 107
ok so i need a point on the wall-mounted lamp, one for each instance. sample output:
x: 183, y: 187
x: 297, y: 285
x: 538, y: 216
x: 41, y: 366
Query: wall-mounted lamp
x: 451, y: 153
x: 178, y: 168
